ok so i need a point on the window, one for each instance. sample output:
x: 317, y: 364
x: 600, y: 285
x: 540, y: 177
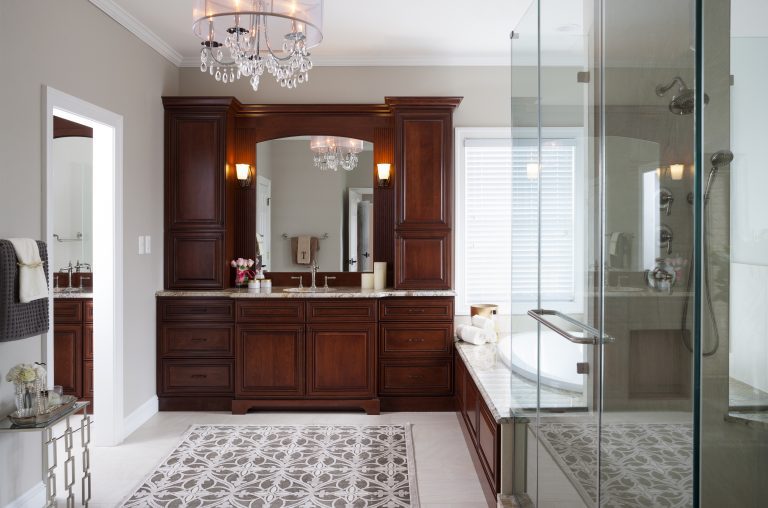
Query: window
x: 497, y: 219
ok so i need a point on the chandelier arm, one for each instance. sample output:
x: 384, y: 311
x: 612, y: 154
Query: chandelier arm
x: 269, y: 47
x: 219, y: 62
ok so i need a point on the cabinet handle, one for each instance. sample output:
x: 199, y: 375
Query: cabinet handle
x: 415, y: 339
x: 414, y: 376
x: 415, y: 311
x: 199, y: 339
x: 199, y: 376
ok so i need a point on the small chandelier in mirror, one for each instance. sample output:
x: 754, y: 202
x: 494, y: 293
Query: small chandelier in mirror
x: 258, y: 35
x: 332, y: 152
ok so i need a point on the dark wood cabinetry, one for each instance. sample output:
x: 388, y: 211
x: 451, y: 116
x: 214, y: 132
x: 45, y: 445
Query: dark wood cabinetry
x: 315, y: 353
x: 198, y: 200
x: 415, y: 353
x: 424, y: 191
x: 481, y: 432
x: 73, y: 347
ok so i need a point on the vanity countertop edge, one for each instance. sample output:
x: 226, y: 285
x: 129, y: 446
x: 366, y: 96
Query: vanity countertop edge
x: 278, y: 292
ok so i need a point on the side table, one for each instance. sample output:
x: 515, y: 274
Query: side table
x: 50, y: 456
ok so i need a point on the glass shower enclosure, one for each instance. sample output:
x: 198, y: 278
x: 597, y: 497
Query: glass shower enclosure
x: 648, y: 330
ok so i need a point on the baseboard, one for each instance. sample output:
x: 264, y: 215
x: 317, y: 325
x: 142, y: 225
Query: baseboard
x: 33, y: 498
x: 140, y: 416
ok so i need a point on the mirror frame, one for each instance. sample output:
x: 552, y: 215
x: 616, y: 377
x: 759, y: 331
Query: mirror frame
x: 255, y: 123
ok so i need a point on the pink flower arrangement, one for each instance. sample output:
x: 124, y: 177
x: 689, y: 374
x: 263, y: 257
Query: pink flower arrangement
x: 243, y: 272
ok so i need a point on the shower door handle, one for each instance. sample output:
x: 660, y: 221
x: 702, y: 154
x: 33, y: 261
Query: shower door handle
x: 591, y: 337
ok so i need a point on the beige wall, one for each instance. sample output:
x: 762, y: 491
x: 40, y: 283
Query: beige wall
x: 485, y: 89
x: 61, y: 53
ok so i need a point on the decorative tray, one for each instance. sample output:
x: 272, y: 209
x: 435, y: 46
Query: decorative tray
x: 26, y: 418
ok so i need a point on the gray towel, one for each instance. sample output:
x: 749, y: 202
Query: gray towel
x: 314, y: 246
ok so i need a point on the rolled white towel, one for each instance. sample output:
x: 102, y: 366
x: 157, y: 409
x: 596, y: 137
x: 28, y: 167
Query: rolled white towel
x: 487, y: 324
x: 473, y: 335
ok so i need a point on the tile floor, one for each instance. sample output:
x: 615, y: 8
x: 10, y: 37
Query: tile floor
x: 446, y: 477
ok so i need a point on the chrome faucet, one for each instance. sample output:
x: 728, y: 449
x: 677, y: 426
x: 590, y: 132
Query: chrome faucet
x: 314, y: 268
x: 68, y: 270
x: 80, y: 265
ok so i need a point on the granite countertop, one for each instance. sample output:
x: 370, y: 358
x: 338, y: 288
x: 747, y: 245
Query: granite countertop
x: 77, y: 293
x: 492, y: 378
x: 279, y: 292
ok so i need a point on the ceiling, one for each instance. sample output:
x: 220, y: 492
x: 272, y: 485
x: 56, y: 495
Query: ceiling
x: 459, y: 32
x: 356, y: 32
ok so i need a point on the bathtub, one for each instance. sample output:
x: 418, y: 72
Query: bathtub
x: 558, y: 359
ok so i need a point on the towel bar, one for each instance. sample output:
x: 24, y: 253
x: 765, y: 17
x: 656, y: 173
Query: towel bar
x: 324, y: 237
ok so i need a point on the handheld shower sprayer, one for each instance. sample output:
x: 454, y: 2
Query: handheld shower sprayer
x: 718, y: 160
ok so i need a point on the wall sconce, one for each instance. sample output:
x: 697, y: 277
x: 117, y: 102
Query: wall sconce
x: 244, y: 174
x: 385, y: 174
x: 676, y: 171
x: 532, y: 170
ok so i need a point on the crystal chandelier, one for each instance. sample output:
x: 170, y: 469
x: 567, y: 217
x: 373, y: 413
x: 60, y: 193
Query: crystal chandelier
x: 258, y: 35
x: 333, y: 153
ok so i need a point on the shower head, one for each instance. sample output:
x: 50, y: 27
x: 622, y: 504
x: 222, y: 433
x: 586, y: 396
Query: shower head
x: 684, y: 101
x: 721, y: 158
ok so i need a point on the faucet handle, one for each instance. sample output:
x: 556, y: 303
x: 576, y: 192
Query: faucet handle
x: 327, y: 278
x: 301, y: 285
x: 82, y: 278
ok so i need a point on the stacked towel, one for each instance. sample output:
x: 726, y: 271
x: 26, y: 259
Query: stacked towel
x: 486, y: 324
x: 32, y: 283
x: 474, y: 335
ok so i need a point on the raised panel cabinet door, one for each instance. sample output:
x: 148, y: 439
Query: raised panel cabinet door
x: 88, y: 341
x: 195, y: 260
x: 423, y: 260
x: 270, y: 361
x: 341, y: 360
x: 424, y: 179
x: 195, y: 178
x: 68, y: 358
x: 471, y: 407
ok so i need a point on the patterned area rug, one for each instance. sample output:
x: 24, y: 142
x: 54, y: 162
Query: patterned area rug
x: 641, y: 464
x: 285, y: 466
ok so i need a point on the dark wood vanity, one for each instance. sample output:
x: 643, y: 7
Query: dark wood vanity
x: 73, y: 346
x: 392, y: 351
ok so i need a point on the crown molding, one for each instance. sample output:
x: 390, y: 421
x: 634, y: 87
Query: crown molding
x: 139, y: 29
x: 442, y: 61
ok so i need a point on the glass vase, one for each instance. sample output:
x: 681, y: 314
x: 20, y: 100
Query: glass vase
x: 19, y: 396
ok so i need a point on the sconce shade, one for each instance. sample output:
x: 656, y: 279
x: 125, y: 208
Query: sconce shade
x: 384, y: 172
x: 243, y: 172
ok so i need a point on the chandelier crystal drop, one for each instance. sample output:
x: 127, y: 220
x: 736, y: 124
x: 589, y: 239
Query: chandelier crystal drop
x: 247, y: 37
x: 332, y: 152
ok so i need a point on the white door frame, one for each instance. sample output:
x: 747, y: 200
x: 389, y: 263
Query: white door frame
x: 107, y: 252
x: 264, y: 183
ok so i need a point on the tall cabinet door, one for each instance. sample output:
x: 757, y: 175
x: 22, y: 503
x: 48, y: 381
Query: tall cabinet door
x: 270, y: 361
x: 196, y: 193
x: 340, y: 360
x: 424, y: 192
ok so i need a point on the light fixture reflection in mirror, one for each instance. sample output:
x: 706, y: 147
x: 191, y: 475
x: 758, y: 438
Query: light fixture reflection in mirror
x: 532, y: 170
x: 676, y: 171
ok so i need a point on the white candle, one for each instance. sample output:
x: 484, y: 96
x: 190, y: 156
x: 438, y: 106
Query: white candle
x: 366, y: 281
x: 380, y: 275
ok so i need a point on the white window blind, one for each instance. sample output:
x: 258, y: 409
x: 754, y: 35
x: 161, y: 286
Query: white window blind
x: 500, y: 223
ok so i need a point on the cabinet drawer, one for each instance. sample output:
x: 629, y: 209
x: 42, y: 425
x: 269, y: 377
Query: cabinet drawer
x: 340, y: 310
x: 186, y: 309
x: 197, y: 377
x: 426, y: 377
x: 416, y: 309
x: 197, y: 340
x: 88, y: 307
x: 67, y: 311
x: 415, y: 340
x: 271, y: 311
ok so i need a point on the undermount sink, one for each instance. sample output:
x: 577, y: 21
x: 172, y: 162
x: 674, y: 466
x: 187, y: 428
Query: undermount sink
x: 308, y: 290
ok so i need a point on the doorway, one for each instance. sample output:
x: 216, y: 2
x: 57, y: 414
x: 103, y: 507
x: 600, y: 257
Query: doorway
x: 107, y: 251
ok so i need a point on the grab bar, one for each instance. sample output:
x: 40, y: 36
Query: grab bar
x: 538, y: 315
